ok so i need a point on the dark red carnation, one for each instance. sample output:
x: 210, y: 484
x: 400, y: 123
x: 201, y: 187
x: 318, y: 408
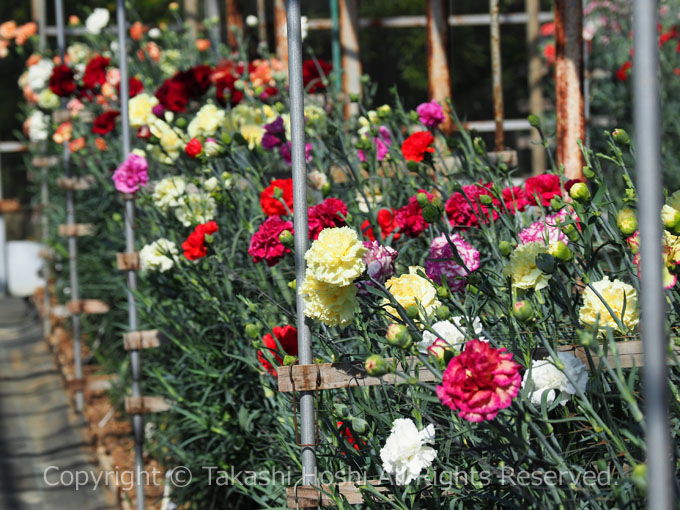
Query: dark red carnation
x: 313, y: 73
x: 624, y: 71
x: 287, y: 338
x: 134, y: 86
x: 225, y: 90
x: 464, y: 208
x: 544, y: 186
x: 409, y: 218
x: 95, y: 72
x: 271, y: 205
x: 328, y: 214
x: 173, y: 96
x: 61, y: 81
x: 194, y: 247
x: 417, y: 145
x: 265, y: 243
x: 103, y: 124
x: 200, y: 78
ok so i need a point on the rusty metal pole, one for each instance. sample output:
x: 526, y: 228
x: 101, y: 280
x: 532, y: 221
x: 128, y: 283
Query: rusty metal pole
x: 538, y: 157
x: 439, y: 76
x: 234, y: 22
x: 280, y: 31
x: 570, y: 106
x: 497, y: 75
x: 351, y: 58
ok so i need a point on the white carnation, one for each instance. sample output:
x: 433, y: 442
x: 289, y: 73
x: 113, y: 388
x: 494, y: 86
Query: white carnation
x: 251, y: 20
x: 158, y: 256
x: 545, y: 376
x: 39, y: 74
x: 452, y: 332
x: 406, y: 453
x: 155, y: 33
x: 97, y: 20
x: 37, y: 126
x: 196, y: 208
x: 167, y: 192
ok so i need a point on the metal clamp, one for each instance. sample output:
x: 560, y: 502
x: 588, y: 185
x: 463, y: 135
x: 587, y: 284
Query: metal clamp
x: 316, y: 407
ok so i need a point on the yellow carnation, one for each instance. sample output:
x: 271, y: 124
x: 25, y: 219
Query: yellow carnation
x: 336, y: 257
x: 522, y: 267
x: 614, y: 293
x: 412, y: 289
x: 252, y: 133
x: 330, y: 304
x: 140, y: 108
x: 206, y: 122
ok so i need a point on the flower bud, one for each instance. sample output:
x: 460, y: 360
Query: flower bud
x: 353, y: 97
x: 639, y: 477
x: 423, y: 200
x: 287, y: 239
x: 292, y: 284
x: 181, y: 122
x: 505, y: 247
x: 226, y: 138
x: 556, y: 204
x: 376, y: 366
x: 412, y: 166
x: 626, y: 221
x: 212, y: 148
x: 341, y: 410
x: 621, y: 137
x: 534, y: 121
x: 398, y: 335
x: 580, y: 192
x: 588, y: 172
x: 359, y: 425
x: 479, y: 145
x: 443, y: 313
x: 523, y: 311
x: 442, y: 292
x: 413, y: 116
x: 570, y: 231
x: 560, y: 251
x: 253, y: 330
x: 486, y: 199
x: 438, y: 348
x: 431, y: 214
x: 326, y: 189
x: 670, y: 217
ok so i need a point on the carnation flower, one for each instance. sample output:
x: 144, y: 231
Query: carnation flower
x: 39, y: 74
x: 196, y: 208
x: 48, y: 100
x: 271, y: 198
x: 95, y: 72
x: 411, y: 289
x: 317, y: 179
x: 440, y: 263
x: 61, y: 81
x: 103, y: 124
x: 416, y: 146
x: 206, y: 122
x: 451, y: 332
x: 464, y: 209
x: 406, y: 452
x: 480, y: 381
x: 140, y: 109
x: 430, y: 114
x: 131, y: 174
x: 274, y: 134
x: 167, y: 192
x: 38, y: 124
x: 515, y: 199
x: 330, y: 304
x: 336, y: 257
x: 314, y: 73
x: 159, y: 255
x: 522, y: 267
x: 544, y: 186
x: 386, y: 221
x: 544, y: 376
x: 194, y: 247
x: 287, y: 338
x: 284, y: 152
x: 265, y: 244
x: 382, y: 144
x: 96, y: 21
x: 544, y: 231
x: 409, y: 218
x: 330, y: 213
x: 617, y: 295
x: 379, y: 260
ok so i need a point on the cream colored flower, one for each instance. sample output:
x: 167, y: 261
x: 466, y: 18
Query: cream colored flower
x: 48, y: 100
x: 407, y: 452
x: 196, y: 208
x: 39, y: 74
x: 158, y: 256
x: 330, y: 304
x: 38, y: 126
x: 252, y: 133
x: 140, y: 109
x: 546, y: 377
x: 452, y: 332
x: 96, y: 21
x: 317, y: 179
x: 412, y: 289
x: 167, y: 192
x: 206, y: 122
x: 336, y: 257
x: 522, y: 267
x: 614, y: 293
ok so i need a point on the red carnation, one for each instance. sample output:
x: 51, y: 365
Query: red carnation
x: 387, y: 223
x: 265, y: 244
x: 105, y: 122
x: 464, y: 209
x: 271, y: 205
x: 95, y: 72
x: 194, y: 247
x: 172, y: 95
x: 61, y: 81
x: 624, y: 71
x: 225, y: 89
x: 134, y: 86
x: 545, y: 186
x: 417, y: 145
x: 200, y: 78
x: 313, y: 73
x: 347, y: 434
x: 287, y: 338
x: 515, y: 199
x: 328, y: 214
x: 409, y: 218
x: 193, y: 148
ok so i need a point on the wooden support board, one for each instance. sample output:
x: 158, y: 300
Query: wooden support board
x: 75, y: 384
x: 630, y: 354
x: 142, y: 339
x: 143, y: 405
x: 8, y: 205
x: 76, y: 229
x: 45, y: 161
x: 76, y: 183
x: 128, y: 261
x: 310, y: 497
x: 60, y: 116
x: 89, y: 306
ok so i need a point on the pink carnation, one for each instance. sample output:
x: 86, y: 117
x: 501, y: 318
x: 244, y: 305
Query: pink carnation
x: 542, y: 230
x: 328, y: 214
x: 430, y: 114
x: 440, y: 262
x: 480, y: 381
x: 382, y: 144
x: 464, y: 209
x: 132, y: 174
x: 379, y: 262
x: 265, y: 244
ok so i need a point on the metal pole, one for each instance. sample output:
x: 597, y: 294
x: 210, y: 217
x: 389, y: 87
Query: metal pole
x: 439, y: 77
x: 653, y: 317
x: 351, y: 61
x: 497, y: 74
x: 135, y: 357
x: 3, y: 244
x: 70, y: 220
x: 538, y: 157
x: 262, y: 22
x: 44, y: 191
x: 335, y: 43
x: 307, y: 425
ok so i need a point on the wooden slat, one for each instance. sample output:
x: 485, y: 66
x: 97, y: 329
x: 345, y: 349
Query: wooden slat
x: 45, y: 161
x: 630, y: 354
x: 142, y: 339
x: 308, y: 496
x: 101, y: 384
x: 128, y: 261
x: 76, y: 183
x: 9, y: 205
x: 143, y: 405
x: 89, y: 306
x: 76, y: 229
x: 46, y: 253
x: 59, y: 116
x: 75, y: 384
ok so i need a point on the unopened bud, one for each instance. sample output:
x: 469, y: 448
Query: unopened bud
x: 534, y: 121
x: 431, y: 214
x: 287, y: 239
x: 620, y: 136
x: 253, y: 330
x: 580, y: 192
x: 670, y: 217
x: 422, y: 199
x: 443, y: 313
x: 523, y: 311
x: 505, y: 247
x: 376, y: 366
x: 626, y: 221
x: 398, y: 335
x: 560, y: 251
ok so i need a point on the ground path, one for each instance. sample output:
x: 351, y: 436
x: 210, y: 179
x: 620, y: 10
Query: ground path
x: 38, y: 429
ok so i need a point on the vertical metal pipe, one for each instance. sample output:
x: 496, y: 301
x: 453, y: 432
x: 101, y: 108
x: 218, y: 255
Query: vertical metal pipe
x: 497, y: 74
x: 135, y: 357
x: 262, y: 22
x: 571, y: 123
x: 653, y: 317
x: 280, y: 30
x: 3, y: 244
x: 212, y: 11
x: 335, y: 42
x: 307, y: 419
x: 351, y: 58
x: 44, y: 190
x: 70, y: 219
x: 439, y: 77
x: 538, y: 156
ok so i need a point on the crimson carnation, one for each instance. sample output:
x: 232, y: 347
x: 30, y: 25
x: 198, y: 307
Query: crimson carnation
x: 271, y: 205
x: 464, y: 210
x: 515, y: 199
x: 313, y: 73
x: 544, y: 186
x: 135, y: 86
x: 95, y: 72
x: 194, y: 247
x: 104, y: 123
x: 328, y: 214
x: 387, y: 223
x: 193, y: 148
x: 417, y: 145
x: 409, y: 218
x: 265, y: 244
x: 287, y: 337
x: 61, y: 81
x: 196, y: 81
x: 225, y: 89
x: 172, y: 95
x: 480, y: 381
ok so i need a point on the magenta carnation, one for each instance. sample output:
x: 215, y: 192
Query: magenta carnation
x: 430, y: 114
x: 265, y: 244
x: 480, y: 381
x: 284, y: 152
x: 328, y: 214
x: 132, y: 174
x: 547, y: 231
x: 382, y: 144
x: 440, y: 262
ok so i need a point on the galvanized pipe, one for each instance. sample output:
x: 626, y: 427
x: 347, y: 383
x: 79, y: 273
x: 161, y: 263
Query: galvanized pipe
x: 439, y: 76
x: 44, y: 190
x: 497, y: 74
x: 70, y: 220
x: 335, y: 42
x: 538, y: 156
x: 135, y: 357
x: 646, y: 111
x: 4, y: 264
x: 307, y: 420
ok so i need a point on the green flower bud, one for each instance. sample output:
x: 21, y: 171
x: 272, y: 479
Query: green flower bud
x: 412, y: 166
x: 117, y: 217
x: 588, y: 172
x: 626, y: 220
x: 287, y: 239
x: 479, y: 145
x: 292, y: 284
x: 570, y: 231
x: 376, y: 366
x: 486, y: 199
x: 279, y: 107
x: 442, y: 292
x: 398, y: 335
x: 422, y: 199
x: 253, y: 330
x: 181, y: 122
x: 621, y: 137
x: 226, y: 138
x: 437, y: 201
x: 639, y: 477
x: 289, y: 360
x: 326, y: 189
x: 505, y: 247
x: 580, y: 192
x: 359, y: 425
x: 472, y: 289
x: 354, y: 97
x: 413, y: 116
x: 523, y: 311
x: 209, y: 238
x: 556, y: 204
x: 534, y: 121
x: 670, y: 217
x: 443, y: 313
x: 560, y: 251
x: 341, y: 410
x: 431, y: 214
